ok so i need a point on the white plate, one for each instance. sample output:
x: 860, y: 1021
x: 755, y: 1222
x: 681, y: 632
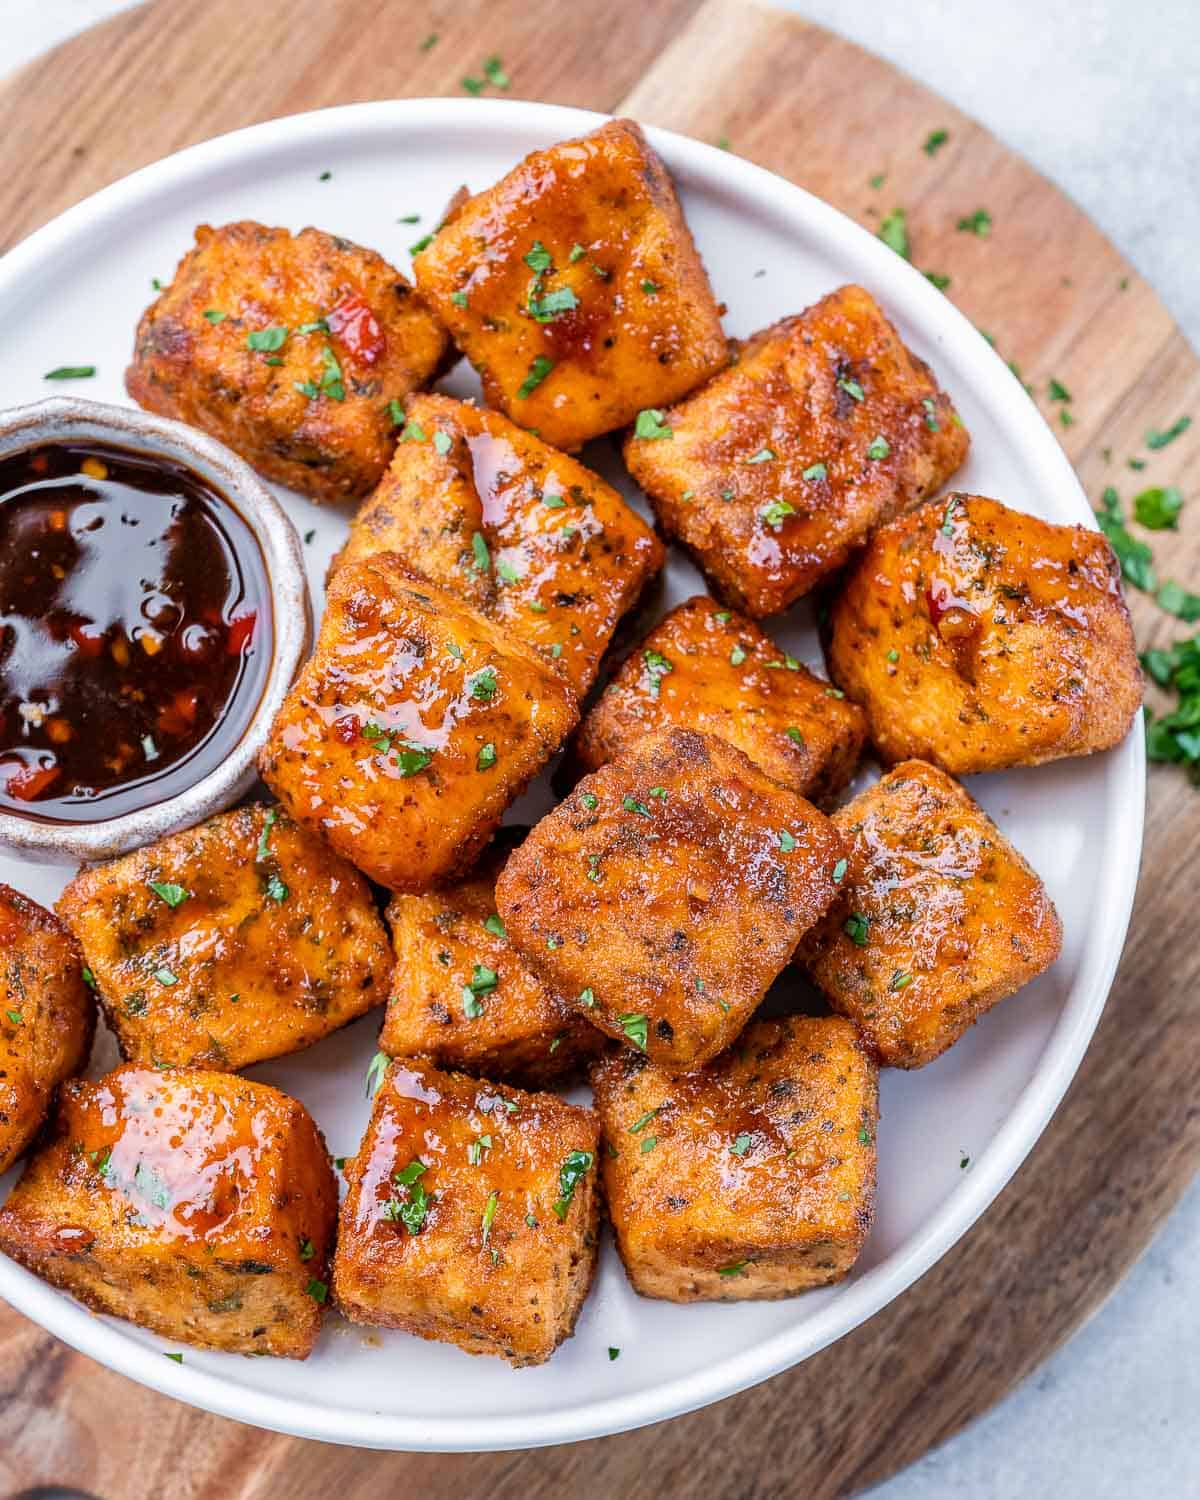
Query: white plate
x: 72, y: 293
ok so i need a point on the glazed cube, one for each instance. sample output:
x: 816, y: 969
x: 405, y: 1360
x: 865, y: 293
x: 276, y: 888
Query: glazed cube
x: 464, y: 997
x: 522, y: 533
x: 47, y: 1017
x: 774, y: 473
x: 575, y: 289
x: 412, y: 727
x: 238, y: 940
x: 708, y: 668
x: 289, y: 348
x: 751, y: 1178
x: 937, y: 919
x: 196, y: 1204
x: 978, y: 638
x: 668, y: 891
x: 471, y: 1216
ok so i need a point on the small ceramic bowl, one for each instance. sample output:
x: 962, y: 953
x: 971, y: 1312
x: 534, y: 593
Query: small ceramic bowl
x: 64, y: 420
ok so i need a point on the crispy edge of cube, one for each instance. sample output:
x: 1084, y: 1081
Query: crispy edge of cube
x: 827, y: 949
x: 445, y: 1325
x: 651, y: 1269
x: 109, y: 1278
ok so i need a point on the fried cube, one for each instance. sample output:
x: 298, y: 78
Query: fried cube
x: 47, y: 1017
x: 196, y: 1204
x: 471, y: 1216
x: 668, y: 891
x: 412, y: 727
x: 525, y: 535
x: 464, y: 997
x: 707, y: 668
x: 238, y: 940
x: 751, y: 1178
x: 937, y: 919
x: 289, y: 348
x: 575, y: 289
x: 977, y: 637
x: 776, y: 471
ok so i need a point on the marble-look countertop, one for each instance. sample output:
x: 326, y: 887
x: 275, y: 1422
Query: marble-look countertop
x: 1104, y: 97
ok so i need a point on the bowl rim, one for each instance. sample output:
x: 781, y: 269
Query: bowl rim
x: 59, y: 419
x: 687, y: 159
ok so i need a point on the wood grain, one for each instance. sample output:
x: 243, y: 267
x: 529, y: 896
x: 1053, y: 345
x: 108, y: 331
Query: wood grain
x: 1059, y: 301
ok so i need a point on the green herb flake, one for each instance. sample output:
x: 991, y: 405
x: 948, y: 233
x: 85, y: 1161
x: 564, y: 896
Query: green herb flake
x: 634, y: 1025
x: 851, y: 388
x: 613, y: 1353
x: 482, y: 558
x: 538, y: 371
x: 442, y: 441
x: 170, y: 1354
x: 934, y: 142
x: 486, y: 758
x: 538, y: 258
x: 900, y: 980
x: 1158, y: 509
x: 306, y: 1249
x: 795, y: 736
x: 376, y: 1069
x: 553, y: 305
x: 657, y: 667
x: 879, y: 448
x: 267, y: 340
x: 1155, y: 438
x: 587, y: 998
x: 1135, y: 557
x: 483, y: 684
x: 742, y: 1145
x: 631, y: 804
x: 570, y: 1174
x: 643, y: 1120
x: 274, y: 889
x: 931, y: 417
x: 893, y: 231
x: 978, y: 223
x: 777, y: 512
x: 215, y: 315
x: 815, y: 471
x: 430, y: 42
x: 173, y: 895
x: 1057, y: 391
x: 317, y: 1290
x: 763, y: 456
x: 650, y: 425
x: 16, y: 1017
x: 937, y: 279
x: 496, y: 74
x: 735, y: 1268
x: 857, y: 928
x: 839, y: 871
x: 166, y: 977
x: 70, y: 372
x: 589, y: 800
x: 787, y: 841
x: 495, y: 926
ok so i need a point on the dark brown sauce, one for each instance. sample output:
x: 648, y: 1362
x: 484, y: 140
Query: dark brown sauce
x: 135, y: 630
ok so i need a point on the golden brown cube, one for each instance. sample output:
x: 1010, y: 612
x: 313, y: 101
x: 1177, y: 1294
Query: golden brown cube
x: 289, y: 348
x: 412, y: 727
x: 471, y: 1216
x: 778, y: 469
x: 977, y: 637
x: 708, y: 668
x: 668, y: 891
x: 525, y: 535
x: 937, y: 919
x: 238, y: 940
x: 575, y: 289
x: 751, y: 1178
x: 47, y: 1017
x: 196, y: 1204
x: 464, y: 997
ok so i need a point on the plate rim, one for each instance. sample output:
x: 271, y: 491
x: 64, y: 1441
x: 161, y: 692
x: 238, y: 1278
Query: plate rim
x: 941, y: 323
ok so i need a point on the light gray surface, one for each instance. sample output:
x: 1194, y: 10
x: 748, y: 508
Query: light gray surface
x: 1104, y: 97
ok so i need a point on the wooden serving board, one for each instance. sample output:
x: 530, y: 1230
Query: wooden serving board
x: 1061, y: 302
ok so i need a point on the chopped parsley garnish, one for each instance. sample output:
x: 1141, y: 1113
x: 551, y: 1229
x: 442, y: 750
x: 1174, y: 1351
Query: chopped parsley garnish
x: 937, y: 279
x: 324, y: 176
x: 839, y: 871
x: 482, y: 558
x: 306, y: 1249
x: 173, y: 895
x: 589, y: 800
x: 70, y: 372
x: 1158, y: 509
x: 496, y: 74
x: 657, y: 667
x: 166, y: 977
x: 777, y: 512
x: 442, y: 441
x: 570, y: 1174
x: 317, y: 1290
x: 734, y: 1269
x: 877, y: 180
x: 947, y: 526
x: 538, y: 371
x: 633, y: 1024
x: 851, y: 388
x: 879, y: 448
x: 787, y: 841
x: 459, y: 299
x: 864, y: 1135
x: 15, y: 1017
x: 660, y: 792
x: 473, y: 85
x: 794, y: 735
x: 893, y: 231
x: 475, y: 1150
x: 857, y: 928
x: 554, y: 502
x: 643, y: 1120
x: 88, y: 978
x: 741, y: 1145
x: 1135, y: 557
x: 552, y: 305
x: 631, y: 804
x: 275, y: 889
x: 429, y: 42
x: 507, y: 571
x: 215, y: 315
x: 483, y: 683
x: 648, y: 1144
x: 587, y: 998
x: 1155, y: 438
x: 577, y: 253
x: 486, y: 758
x: 412, y: 1210
x: 1057, y: 391
x: 978, y: 223
x: 538, y: 258
x: 900, y: 980
x: 931, y: 417
x: 934, y: 141
x: 171, y: 1354
x: 763, y: 456
x: 650, y: 424
x: 396, y: 412
x: 489, y: 1214
x: 483, y: 982
x: 737, y: 656
x: 267, y: 340
x: 1174, y: 737
x: 495, y: 926
x: 413, y: 432
x: 612, y: 1353
x: 376, y: 1069
x: 815, y: 471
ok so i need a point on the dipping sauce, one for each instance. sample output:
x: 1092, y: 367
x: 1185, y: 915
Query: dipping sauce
x: 135, y: 630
